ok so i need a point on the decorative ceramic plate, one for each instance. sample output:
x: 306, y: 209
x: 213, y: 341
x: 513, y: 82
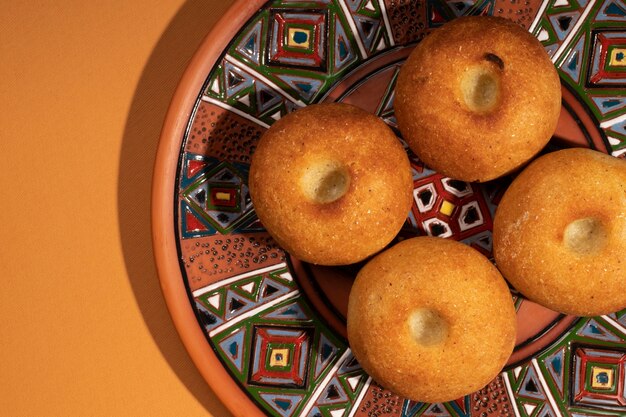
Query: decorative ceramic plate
x: 268, y: 331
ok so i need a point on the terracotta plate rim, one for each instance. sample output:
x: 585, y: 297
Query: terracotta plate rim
x: 162, y: 209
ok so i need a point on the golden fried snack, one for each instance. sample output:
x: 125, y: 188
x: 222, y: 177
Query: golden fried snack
x: 559, y: 233
x: 478, y: 98
x: 424, y: 301
x: 331, y: 183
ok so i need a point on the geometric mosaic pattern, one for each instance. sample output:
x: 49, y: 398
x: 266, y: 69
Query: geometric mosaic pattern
x: 292, y: 53
x: 445, y: 207
x: 215, y: 197
x: 460, y: 407
x: 227, y: 302
x: 581, y: 375
x: 280, y: 356
x: 269, y: 339
x: 599, y: 378
x: 587, y: 42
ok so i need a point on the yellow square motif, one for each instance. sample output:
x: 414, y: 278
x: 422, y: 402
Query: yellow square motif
x: 279, y: 357
x: 298, y: 38
x: 602, y: 378
x: 222, y: 196
x: 447, y: 208
x: 618, y: 57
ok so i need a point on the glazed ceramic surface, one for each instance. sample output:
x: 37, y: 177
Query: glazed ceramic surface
x: 272, y: 329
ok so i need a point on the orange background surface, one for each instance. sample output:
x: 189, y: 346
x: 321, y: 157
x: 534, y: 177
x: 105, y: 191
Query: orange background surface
x: 84, y: 88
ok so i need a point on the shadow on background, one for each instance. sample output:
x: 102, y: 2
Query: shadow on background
x: 152, y: 96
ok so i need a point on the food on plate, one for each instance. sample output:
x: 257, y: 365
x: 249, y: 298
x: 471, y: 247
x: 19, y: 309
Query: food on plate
x: 431, y: 319
x: 559, y: 232
x: 478, y: 98
x: 331, y: 183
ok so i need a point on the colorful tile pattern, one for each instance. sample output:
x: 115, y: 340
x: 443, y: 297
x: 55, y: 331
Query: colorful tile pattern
x: 266, y: 335
x: 297, y: 39
x: 578, y: 375
x: 586, y: 40
x: 215, y: 197
x: 445, y: 208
